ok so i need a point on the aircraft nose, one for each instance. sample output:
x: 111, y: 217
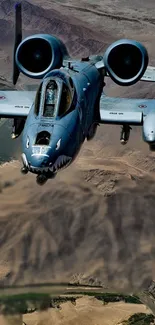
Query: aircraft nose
x: 35, y: 163
x: 39, y: 163
x: 52, y: 155
x: 39, y: 160
x: 50, y: 150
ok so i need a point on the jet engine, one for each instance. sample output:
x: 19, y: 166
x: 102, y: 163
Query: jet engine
x: 39, y: 54
x: 126, y: 61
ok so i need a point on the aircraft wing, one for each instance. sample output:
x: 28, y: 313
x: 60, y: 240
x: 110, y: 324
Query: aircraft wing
x: 15, y: 103
x: 124, y: 110
x: 149, y: 74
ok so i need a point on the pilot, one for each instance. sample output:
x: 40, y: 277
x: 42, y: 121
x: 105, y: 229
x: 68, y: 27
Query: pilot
x: 51, y: 94
x: 51, y: 98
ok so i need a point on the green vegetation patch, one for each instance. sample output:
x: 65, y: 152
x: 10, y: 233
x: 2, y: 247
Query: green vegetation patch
x: 111, y: 297
x: 139, y: 319
x: 29, y: 302
x: 24, y: 303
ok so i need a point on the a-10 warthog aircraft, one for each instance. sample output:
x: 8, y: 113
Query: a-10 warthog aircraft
x: 70, y: 103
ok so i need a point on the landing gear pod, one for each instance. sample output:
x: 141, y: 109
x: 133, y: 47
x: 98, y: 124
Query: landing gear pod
x: 39, y: 54
x: 126, y: 61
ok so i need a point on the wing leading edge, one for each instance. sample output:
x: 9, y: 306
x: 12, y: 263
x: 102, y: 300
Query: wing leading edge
x: 16, y: 103
x: 124, y: 110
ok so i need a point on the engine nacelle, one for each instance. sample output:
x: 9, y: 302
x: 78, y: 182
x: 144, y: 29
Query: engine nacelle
x: 126, y: 61
x: 39, y: 54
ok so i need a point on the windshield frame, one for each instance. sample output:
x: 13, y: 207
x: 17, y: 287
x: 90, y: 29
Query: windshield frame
x: 61, y: 84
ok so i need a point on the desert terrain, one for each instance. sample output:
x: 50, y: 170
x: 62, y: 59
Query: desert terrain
x: 96, y: 218
x: 87, y: 310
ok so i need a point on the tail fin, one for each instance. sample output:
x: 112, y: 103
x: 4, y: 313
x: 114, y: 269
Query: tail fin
x: 18, y: 39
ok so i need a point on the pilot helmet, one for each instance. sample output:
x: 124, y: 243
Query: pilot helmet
x: 51, y: 85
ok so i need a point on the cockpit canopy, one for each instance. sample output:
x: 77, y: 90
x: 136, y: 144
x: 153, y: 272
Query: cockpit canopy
x: 54, y: 97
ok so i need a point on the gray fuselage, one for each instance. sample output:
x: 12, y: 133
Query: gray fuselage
x: 52, y: 139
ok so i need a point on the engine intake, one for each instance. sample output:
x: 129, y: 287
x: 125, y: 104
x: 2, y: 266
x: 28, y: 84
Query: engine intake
x: 126, y: 61
x: 39, y: 54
